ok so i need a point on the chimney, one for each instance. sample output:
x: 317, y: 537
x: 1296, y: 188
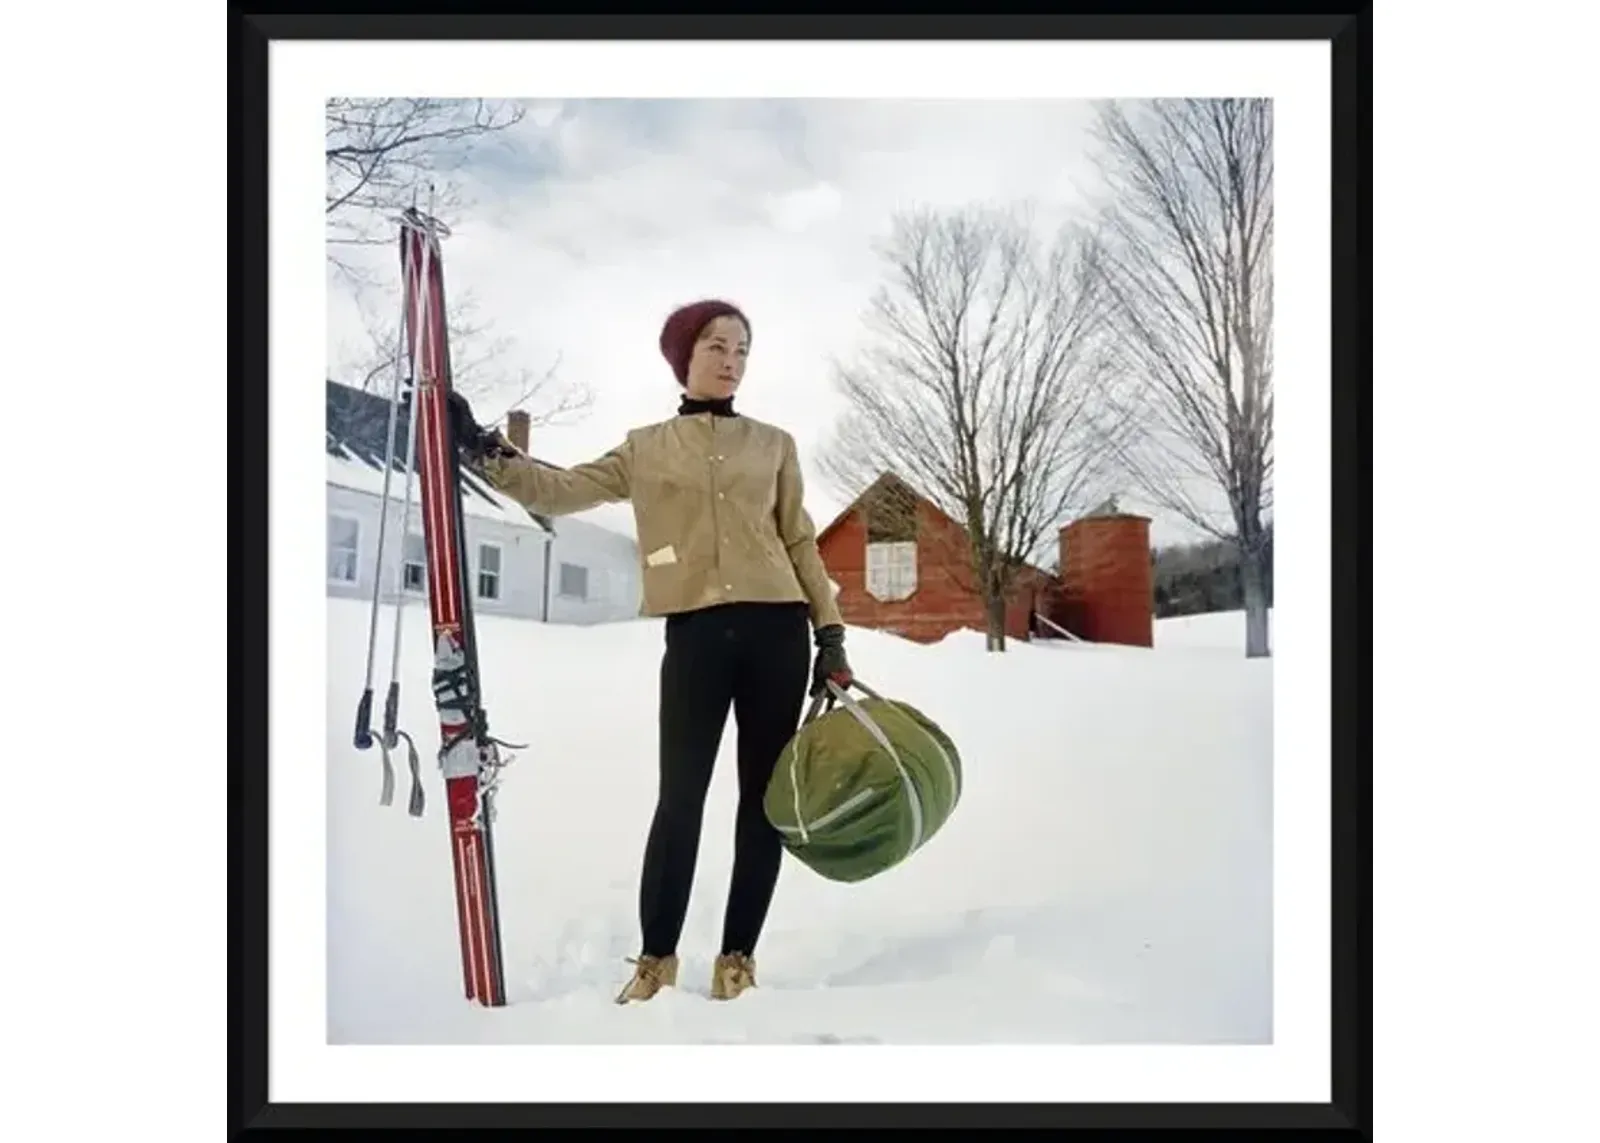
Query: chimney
x: 517, y: 428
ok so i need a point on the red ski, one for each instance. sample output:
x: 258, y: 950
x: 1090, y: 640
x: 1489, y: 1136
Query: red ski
x: 468, y: 757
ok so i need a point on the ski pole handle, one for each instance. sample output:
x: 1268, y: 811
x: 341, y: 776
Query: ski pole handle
x: 364, y: 721
x: 391, y: 714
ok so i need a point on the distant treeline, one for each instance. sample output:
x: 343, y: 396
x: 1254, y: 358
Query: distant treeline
x: 1193, y: 579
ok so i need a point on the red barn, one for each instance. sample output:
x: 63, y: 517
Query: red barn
x: 904, y: 566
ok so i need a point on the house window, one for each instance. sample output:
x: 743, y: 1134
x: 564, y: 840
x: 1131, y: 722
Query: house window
x: 573, y: 582
x: 892, y: 543
x: 344, y: 536
x: 414, y: 564
x: 488, y: 571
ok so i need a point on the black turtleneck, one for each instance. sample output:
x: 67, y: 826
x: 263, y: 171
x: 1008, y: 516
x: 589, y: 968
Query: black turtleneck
x: 719, y: 407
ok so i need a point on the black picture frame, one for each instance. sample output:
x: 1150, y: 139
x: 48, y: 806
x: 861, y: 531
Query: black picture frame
x: 1349, y: 34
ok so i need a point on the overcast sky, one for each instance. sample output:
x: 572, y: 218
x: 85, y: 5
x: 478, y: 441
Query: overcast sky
x: 593, y: 219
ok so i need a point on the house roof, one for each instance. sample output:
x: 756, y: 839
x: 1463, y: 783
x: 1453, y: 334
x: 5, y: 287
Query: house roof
x: 357, y: 436
x: 885, y: 478
x: 357, y: 431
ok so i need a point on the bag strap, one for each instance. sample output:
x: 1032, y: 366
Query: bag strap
x: 836, y: 694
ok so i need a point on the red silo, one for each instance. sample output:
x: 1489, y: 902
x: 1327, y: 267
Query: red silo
x: 1107, y: 580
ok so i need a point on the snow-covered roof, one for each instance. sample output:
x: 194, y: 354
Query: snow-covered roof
x: 348, y: 471
x: 357, y: 439
x: 357, y: 436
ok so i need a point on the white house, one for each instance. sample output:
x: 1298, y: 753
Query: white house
x: 582, y: 568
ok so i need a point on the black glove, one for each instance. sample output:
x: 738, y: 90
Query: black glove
x: 830, y: 662
x: 464, y: 427
x: 472, y: 440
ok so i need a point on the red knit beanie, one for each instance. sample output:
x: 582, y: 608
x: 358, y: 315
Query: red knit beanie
x: 683, y: 326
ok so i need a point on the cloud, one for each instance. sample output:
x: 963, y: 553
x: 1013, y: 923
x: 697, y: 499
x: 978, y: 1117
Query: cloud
x: 593, y: 218
x: 797, y: 210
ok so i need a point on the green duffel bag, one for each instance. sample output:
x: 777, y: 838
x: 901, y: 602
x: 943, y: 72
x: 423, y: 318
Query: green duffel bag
x: 862, y: 785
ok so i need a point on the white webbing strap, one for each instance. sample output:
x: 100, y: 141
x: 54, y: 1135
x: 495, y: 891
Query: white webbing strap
x: 913, y: 797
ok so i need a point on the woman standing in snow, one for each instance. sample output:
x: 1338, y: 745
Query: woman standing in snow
x: 729, y: 559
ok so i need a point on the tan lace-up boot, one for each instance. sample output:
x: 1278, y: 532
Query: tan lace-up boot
x: 732, y: 974
x: 650, y: 975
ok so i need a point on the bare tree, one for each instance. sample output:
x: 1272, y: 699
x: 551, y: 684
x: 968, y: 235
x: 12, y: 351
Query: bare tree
x: 480, y: 367
x: 1188, y: 270
x: 383, y: 153
x: 980, y: 388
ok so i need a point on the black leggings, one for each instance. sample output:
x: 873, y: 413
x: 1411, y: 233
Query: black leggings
x: 756, y: 660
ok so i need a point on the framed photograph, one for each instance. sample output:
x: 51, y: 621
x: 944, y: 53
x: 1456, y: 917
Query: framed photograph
x: 802, y: 638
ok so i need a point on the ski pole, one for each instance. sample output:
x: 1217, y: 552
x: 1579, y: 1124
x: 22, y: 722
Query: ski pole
x: 363, y: 735
x: 391, y: 706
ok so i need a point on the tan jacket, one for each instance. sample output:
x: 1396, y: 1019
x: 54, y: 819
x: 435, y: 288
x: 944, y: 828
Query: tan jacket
x: 718, y: 504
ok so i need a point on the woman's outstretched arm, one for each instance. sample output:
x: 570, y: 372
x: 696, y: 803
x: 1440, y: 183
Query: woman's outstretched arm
x: 561, y: 491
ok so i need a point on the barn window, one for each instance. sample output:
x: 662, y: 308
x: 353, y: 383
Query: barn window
x: 892, y: 570
x: 892, y: 544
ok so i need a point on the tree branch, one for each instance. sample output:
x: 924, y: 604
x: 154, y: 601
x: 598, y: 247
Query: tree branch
x: 480, y: 368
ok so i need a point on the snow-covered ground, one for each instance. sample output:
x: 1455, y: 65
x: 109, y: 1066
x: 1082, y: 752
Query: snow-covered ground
x: 1107, y: 876
x: 1222, y: 633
